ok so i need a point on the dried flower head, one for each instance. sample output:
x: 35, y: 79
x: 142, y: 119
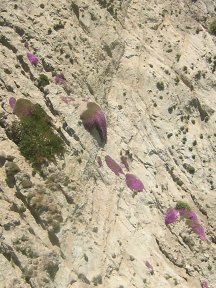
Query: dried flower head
x: 134, y: 183
x: 113, y: 165
x: 94, y: 117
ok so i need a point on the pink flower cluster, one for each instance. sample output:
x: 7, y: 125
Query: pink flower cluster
x: 172, y: 214
x: 33, y: 59
x: 132, y: 181
x: 204, y: 284
x: 59, y: 78
x: 113, y: 165
x: 94, y: 117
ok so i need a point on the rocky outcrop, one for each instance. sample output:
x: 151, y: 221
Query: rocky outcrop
x: 150, y: 67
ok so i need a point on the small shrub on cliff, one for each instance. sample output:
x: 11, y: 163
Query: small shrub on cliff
x: 43, y: 80
x: 37, y: 141
x: 160, y: 86
x: 212, y: 28
x: 182, y: 205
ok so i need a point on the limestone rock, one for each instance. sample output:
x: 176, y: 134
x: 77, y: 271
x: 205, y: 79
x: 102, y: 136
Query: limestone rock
x: 150, y: 65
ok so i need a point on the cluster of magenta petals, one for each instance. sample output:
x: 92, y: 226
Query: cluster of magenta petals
x: 12, y: 102
x: 33, y: 59
x: 59, y: 78
x: 192, y: 220
x: 171, y: 216
x: 204, y: 284
x: 113, y: 165
x: 134, y: 183
x: 94, y: 117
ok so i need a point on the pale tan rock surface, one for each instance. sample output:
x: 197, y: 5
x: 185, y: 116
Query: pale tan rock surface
x: 150, y: 66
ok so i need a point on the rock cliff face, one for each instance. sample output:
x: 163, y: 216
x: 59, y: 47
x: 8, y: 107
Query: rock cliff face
x: 150, y: 65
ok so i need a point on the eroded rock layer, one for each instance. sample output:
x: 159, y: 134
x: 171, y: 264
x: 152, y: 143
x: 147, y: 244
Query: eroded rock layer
x: 150, y: 65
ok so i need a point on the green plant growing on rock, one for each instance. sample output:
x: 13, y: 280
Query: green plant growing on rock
x: 37, y: 141
x: 182, y: 205
x: 190, y: 169
x: 212, y: 27
x: 43, y: 81
x: 160, y: 86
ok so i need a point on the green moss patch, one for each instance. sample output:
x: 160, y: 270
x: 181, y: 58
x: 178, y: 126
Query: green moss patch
x: 37, y: 140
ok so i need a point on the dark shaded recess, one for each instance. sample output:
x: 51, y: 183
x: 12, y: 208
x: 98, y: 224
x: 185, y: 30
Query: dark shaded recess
x: 47, y: 66
x: 63, y: 136
x: 84, y: 279
x: 58, y: 26
x: 70, y: 131
x: 213, y: 239
x: 52, y: 269
x: 97, y: 127
x: 108, y: 4
x: 108, y: 50
x: 50, y: 106
x: 19, y: 31
x: 98, y: 135
x: 196, y: 104
x: 2, y: 21
x: 9, y: 254
x: 7, y: 71
x: 90, y: 88
x: 25, y: 66
x: 75, y: 9
x: 9, y: 88
x: 2, y: 161
x: 68, y: 198
x: 167, y: 255
x: 53, y: 239
x: 6, y: 42
x: 20, y: 196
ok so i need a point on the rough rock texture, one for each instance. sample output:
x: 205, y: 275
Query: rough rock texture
x: 150, y: 65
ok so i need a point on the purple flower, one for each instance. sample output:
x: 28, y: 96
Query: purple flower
x: 94, y: 117
x: 125, y: 162
x: 198, y: 229
x: 67, y: 99
x: 134, y: 183
x: 192, y: 216
x: 171, y: 216
x: 99, y: 161
x: 149, y: 266
x: 59, y: 78
x: 12, y: 102
x: 113, y: 165
x: 32, y: 58
x: 204, y: 283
